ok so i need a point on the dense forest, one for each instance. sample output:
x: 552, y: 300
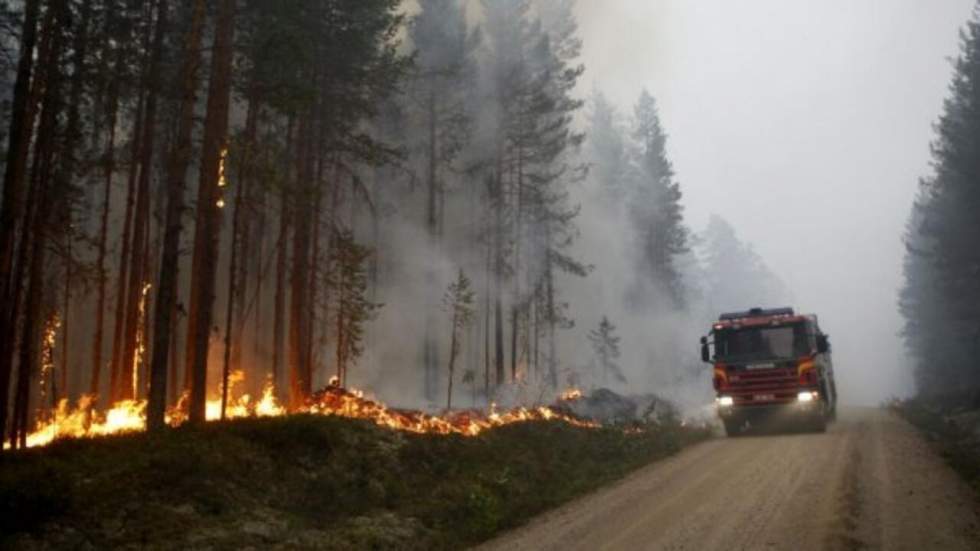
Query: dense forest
x: 204, y: 199
x: 942, y: 291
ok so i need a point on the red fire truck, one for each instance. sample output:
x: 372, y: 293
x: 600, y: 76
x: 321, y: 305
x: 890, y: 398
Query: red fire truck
x: 771, y: 365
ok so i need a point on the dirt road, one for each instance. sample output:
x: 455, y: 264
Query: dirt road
x: 870, y: 482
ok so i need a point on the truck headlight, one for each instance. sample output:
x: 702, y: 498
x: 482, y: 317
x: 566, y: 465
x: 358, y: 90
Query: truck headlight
x: 807, y: 396
x: 726, y: 401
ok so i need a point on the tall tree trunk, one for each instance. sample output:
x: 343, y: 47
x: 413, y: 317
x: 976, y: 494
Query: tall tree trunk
x: 35, y: 231
x: 208, y: 212
x: 108, y: 171
x: 118, y: 335
x: 498, y: 271
x: 279, y: 306
x: 178, y: 161
x: 300, y: 372
x: 314, y: 280
x: 486, y: 316
x: 452, y: 364
x: 135, y: 303
x: 73, y: 136
x: 236, y: 287
x: 243, y: 229
x: 19, y: 138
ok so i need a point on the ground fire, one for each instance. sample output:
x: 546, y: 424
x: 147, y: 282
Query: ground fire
x: 84, y: 420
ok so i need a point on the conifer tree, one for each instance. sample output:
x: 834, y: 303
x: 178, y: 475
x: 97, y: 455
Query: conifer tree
x: 458, y: 302
x: 605, y: 349
x: 352, y: 308
x: 941, y: 296
x: 657, y: 212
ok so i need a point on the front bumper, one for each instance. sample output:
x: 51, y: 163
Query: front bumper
x: 788, y: 408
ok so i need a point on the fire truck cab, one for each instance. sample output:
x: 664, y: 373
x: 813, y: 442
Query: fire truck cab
x: 771, y: 365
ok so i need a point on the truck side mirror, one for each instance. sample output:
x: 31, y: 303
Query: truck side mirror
x: 705, y: 357
x: 823, y: 343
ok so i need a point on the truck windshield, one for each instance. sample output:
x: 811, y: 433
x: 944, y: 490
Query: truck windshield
x: 762, y: 343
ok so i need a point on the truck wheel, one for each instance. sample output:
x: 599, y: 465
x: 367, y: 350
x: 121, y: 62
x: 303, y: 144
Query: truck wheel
x: 733, y: 427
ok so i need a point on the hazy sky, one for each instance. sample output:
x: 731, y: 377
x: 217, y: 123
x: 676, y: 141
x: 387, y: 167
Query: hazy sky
x: 806, y: 124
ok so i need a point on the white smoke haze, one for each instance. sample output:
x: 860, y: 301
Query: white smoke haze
x: 805, y: 126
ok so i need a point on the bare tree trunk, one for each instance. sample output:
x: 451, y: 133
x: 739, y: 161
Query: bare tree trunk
x: 207, y: 229
x: 498, y: 271
x: 34, y: 230
x: 165, y: 323
x: 19, y: 137
x: 486, y: 316
x: 135, y: 305
x: 115, y: 388
x: 66, y: 316
x: 109, y: 169
x: 300, y: 383
x: 452, y: 364
x: 72, y: 138
x: 243, y: 229
x: 233, y: 290
x: 279, y: 308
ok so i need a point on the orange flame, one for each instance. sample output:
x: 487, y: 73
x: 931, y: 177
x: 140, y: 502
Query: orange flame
x: 130, y: 415
x: 570, y: 395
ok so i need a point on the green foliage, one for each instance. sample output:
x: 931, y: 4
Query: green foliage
x: 657, y: 212
x: 941, y: 296
x: 310, y: 482
x: 352, y: 309
x: 460, y: 302
x: 605, y: 347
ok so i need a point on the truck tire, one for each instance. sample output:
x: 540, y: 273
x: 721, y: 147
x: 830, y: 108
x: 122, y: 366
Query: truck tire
x: 733, y: 427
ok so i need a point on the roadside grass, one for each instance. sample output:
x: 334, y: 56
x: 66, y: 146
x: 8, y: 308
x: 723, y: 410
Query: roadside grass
x: 310, y: 482
x: 952, y: 425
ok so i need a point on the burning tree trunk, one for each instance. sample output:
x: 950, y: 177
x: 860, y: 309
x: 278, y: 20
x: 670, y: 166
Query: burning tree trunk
x: 136, y: 291
x: 235, y: 286
x: 208, y: 224
x: 118, y: 336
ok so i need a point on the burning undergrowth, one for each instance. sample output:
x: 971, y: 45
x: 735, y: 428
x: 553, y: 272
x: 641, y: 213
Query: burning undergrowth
x: 84, y: 420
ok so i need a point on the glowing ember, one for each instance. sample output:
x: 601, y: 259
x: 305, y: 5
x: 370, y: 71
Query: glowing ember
x: 130, y: 415
x: 570, y: 395
x: 47, y: 354
x: 140, y: 340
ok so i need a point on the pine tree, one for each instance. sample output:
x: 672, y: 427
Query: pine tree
x: 459, y: 302
x: 941, y: 296
x: 657, y: 212
x: 605, y: 348
x: 735, y: 276
x: 608, y: 151
x: 352, y: 308
x: 178, y: 160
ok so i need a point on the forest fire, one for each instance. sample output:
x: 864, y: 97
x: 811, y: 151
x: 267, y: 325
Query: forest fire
x: 335, y: 400
x: 130, y: 415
